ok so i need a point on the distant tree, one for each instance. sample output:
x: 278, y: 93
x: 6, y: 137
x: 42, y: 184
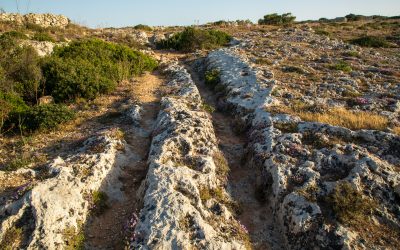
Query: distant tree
x: 353, y: 17
x: 2, y: 11
x: 276, y: 19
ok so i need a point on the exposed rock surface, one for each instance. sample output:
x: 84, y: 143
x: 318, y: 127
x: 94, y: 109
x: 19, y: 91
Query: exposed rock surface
x: 128, y: 34
x: 43, y: 48
x: 181, y: 165
x: 44, y: 20
x: 302, y: 168
x: 63, y: 201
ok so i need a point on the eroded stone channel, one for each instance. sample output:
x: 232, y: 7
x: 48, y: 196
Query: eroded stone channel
x: 254, y: 210
x: 110, y: 230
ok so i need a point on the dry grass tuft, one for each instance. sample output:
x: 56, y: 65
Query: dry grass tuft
x: 336, y: 116
x: 348, y: 119
x: 12, y: 239
x: 221, y: 163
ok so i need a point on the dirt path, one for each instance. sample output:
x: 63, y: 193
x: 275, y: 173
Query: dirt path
x: 256, y: 216
x: 108, y: 230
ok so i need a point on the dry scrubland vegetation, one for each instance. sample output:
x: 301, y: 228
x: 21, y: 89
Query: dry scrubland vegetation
x: 71, y: 75
x: 83, y: 76
x: 377, y: 36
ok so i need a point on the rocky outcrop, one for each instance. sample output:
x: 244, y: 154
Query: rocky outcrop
x: 43, y: 48
x: 63, y: 202
x: 182, y: 168
x: 302, y: 165
x: 44, y: 20
x: 127, y: 34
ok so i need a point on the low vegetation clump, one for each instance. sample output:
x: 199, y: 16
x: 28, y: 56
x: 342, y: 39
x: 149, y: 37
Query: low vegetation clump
x: 350, y: 205
x: 212, y: 78
x: 337, y: 116
x: 207, y: 194
x: 85, y: 69
x: 322, y: 32
x: 13, y: 34
x: 293, y: 69
x: 342, y: 66
x: 99, y: 202
x: 371, y: 41
x: 208, y: 108
x: 75, y: 239
x: 276, y: 19
x: 290, y: 127
x: 192, y: 39
x: 352, y: 53
x: 11, y: 239
x: 43, y: 37
x: 17, y: 163
x: 143, y: 27
x: 263, y: 61
x: 222, y: 167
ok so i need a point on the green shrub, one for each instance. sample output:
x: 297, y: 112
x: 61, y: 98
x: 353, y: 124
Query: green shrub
x: 212, y: 78
x: 69, y: 79
x: 343, y: 66
x: 371, y: 41
x: 192, y: 39
x: 275, y: 19
x: 42, y: 117
x: 142, y: 27
x: 10, y: 103
x: 87, y: 68
x: 43, y: 37
x: 20, y: 68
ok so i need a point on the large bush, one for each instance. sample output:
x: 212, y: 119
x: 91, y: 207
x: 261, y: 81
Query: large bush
x: 276, y: 19
x: 20, y: 66
x: 91, y: 67
x: 191, y: 39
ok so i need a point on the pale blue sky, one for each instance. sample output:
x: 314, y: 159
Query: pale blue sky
x: 117, y: 13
